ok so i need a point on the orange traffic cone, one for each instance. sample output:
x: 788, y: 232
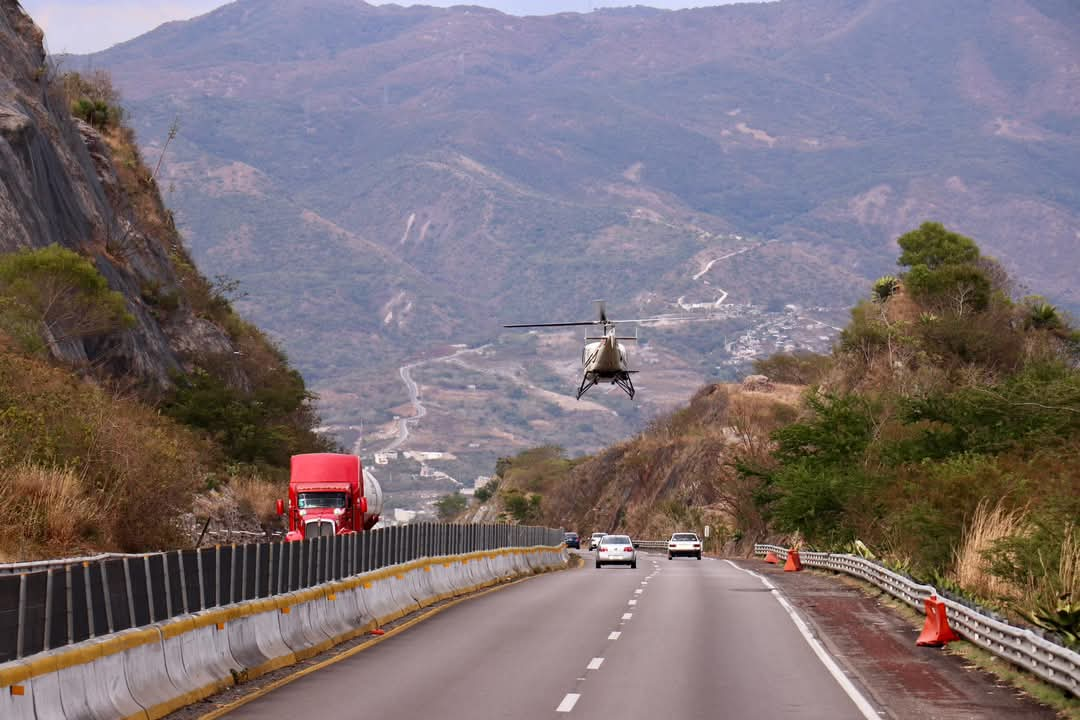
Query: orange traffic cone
x: 793, y: 564
x: 936, y: 631
x: 770, y: 557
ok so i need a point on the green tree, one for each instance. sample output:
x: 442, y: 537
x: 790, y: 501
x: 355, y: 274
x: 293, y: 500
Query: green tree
x: 450, y: 506
x: 52, y: 295
x: 962, y: 289
x: 934, y: 246
x: 946, y: 272
x: 523, y: 508
x: 263, y: 426
x: 487, y: 490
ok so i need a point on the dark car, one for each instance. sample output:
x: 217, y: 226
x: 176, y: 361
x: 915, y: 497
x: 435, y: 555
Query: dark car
x: 572, y: 540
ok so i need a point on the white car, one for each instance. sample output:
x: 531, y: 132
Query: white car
x: 595, y: 540
x: 616, y: 550
x: 684, y: 544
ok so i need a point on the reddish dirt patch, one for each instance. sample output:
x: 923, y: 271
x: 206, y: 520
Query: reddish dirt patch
x: 876, y: 645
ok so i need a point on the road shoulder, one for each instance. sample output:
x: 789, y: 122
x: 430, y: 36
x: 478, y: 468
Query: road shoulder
x: 876, y: 645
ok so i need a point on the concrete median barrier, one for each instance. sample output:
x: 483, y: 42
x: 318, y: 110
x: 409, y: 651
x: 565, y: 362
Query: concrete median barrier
x: 106, y: 681
x: 46, y: 686
x: 152, y: 671
x: 208, y: 665
x: 255, y: 641
x: 16, y: 691
x: 291, y: 622
x: 74, y: 692
x: 147, y: 675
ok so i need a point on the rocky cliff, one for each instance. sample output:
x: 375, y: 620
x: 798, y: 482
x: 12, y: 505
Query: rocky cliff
x: 59, y: 185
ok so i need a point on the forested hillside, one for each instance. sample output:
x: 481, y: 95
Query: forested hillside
x: 943, y: 433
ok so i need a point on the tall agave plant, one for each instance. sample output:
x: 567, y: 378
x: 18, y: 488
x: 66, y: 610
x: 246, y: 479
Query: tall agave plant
x: 884, y: 288
x: 1044, y: 316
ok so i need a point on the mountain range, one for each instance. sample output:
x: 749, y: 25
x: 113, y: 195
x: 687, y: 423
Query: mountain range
x: 392, y: 184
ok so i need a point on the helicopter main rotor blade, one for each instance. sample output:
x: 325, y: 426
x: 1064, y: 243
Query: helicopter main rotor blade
x: 565, y: 324
x: 660, y: 318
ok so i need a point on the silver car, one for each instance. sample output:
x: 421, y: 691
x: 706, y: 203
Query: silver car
x: 595, y: 540
x: 616, y: 550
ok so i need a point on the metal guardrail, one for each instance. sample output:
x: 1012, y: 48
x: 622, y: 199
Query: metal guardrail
x: 651, y: 544
x: 40, y: 565
x: 54, y: 603
x: 1023, y: 647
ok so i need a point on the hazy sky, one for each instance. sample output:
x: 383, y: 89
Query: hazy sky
x: 82, y: 26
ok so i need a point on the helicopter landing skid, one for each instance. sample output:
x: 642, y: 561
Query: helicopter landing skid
x: 586, y: 383
x: 626, y: 384
x: 623, y: 381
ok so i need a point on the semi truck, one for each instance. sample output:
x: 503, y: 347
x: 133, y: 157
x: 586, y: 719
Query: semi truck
x: 330, y: 494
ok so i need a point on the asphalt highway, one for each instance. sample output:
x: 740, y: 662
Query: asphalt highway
x: 672, y: 639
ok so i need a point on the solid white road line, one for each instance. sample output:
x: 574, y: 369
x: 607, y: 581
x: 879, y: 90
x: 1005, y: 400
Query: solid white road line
x: 614, y: 635
x: 627, y: 616
x: 568, y: 702
x: 827, y: 660
x: 595, y: 664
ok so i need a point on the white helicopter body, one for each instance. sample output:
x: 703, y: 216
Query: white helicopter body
x: 604, y: 358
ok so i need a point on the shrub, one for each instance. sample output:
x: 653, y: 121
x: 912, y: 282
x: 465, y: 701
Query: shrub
x: 95, y: 113
x: 93, y: 98
x: 524, y: 508
x: 487, y: 490
x: 450, y: 506
x: 799, y: 368
x: 52, y: 295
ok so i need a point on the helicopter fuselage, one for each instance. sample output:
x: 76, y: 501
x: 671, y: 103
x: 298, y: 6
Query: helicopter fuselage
x: 605, y: 358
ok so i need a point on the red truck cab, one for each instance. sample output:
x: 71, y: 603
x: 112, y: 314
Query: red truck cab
x: 330, y: 494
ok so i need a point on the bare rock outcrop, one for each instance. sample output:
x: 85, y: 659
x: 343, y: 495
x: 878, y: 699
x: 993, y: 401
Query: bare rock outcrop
x: 58, y: 185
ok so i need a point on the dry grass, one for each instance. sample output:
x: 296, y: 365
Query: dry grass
x: 43, y: 509
x: 1069, y: 564
x: 255, y: 496
x: 987, y: 526
x: 135, y: 469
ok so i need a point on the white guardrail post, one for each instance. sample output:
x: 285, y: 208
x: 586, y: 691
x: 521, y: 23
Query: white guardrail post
x: 1050, y: 661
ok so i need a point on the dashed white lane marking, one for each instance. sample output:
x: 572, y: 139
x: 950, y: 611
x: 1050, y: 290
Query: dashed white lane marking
x: 627, y: 616
x: 614, y: 635
x: 830, y: 664
x: 595, y: 664
x: 638, y: 591
x: 568, y: 702
x: 632, y: 602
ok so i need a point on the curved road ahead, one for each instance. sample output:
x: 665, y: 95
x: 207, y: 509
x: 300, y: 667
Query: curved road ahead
x: 682, y: 639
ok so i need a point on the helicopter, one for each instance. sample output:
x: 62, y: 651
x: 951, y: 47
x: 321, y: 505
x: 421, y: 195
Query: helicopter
x: 604, y: 358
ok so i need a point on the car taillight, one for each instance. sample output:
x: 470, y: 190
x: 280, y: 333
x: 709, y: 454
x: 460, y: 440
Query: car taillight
x: 697, y: 545
x: 628, y: 549
x: 603, y: 549
x: 671, y: 545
